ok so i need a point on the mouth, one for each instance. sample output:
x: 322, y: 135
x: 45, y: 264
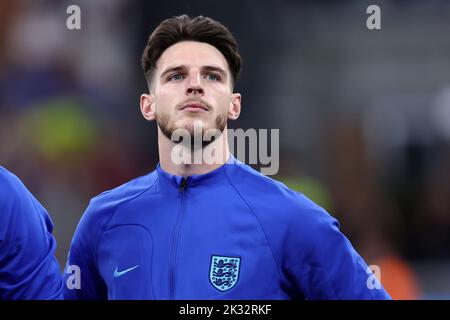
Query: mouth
x: 194, y: 107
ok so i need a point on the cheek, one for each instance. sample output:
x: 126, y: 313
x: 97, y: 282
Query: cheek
x: 222, y: 99
x: 165, y: 102
x: 224, y: 106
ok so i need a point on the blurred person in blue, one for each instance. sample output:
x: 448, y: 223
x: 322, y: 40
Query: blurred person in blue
x: 28, y: 268
x: 205, y: 230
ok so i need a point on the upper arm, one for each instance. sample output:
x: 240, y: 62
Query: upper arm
x: 29, y: 269
x: 328, y: 266
x: 82, y: 280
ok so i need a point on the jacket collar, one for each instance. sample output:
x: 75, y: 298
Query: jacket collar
x: 196, y: 179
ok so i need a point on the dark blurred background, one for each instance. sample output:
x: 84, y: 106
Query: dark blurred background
x: 364, y: 115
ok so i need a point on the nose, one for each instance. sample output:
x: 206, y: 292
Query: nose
x: 194, y: 85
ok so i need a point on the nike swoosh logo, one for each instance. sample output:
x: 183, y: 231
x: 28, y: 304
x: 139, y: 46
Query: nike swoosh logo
x: 121, y: 273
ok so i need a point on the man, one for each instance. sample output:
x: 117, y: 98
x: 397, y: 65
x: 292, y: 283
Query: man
x: 28, y: 268
x: 209, y: 229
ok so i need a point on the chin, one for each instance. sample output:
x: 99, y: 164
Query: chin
x: 189, y: 124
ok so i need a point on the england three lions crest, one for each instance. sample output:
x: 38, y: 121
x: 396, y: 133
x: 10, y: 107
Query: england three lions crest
x: 224, y: 272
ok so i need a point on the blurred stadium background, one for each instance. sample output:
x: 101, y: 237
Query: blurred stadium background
x: 364, y: 115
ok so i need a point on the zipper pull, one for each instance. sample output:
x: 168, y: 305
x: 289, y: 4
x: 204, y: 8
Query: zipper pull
x: 183, y: 185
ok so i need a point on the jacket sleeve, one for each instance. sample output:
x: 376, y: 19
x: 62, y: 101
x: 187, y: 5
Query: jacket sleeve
x: 328, y: 267
x: 82, y: 280
x: 28, y: 268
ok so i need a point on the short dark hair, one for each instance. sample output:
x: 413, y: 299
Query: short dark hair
x: 185, y: 28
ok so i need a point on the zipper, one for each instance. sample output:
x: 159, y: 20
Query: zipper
x: 181, y: 189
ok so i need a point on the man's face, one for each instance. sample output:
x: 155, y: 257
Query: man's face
x: 192, y: 83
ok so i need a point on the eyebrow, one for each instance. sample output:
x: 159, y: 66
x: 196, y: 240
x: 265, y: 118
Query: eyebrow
x: 173, y: 68
x: 180, y: 68
x: 216, y: 69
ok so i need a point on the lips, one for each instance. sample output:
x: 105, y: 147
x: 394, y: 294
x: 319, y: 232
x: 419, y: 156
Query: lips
x: 194, y: 106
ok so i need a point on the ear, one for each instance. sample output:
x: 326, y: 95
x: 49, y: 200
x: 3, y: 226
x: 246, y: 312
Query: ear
x: 148, y: 107
x: 235, y: 106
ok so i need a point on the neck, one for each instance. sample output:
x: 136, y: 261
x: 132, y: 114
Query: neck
x: 181, y: 161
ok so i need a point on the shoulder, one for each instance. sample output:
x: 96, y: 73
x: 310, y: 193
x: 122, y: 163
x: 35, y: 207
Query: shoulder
x: 295, y: 226
x: 271, y: 198
x: 10, y: 186
x: 111, y: 199
x: 102, y: 207
x: 22, y: 218
x: 15, y: 199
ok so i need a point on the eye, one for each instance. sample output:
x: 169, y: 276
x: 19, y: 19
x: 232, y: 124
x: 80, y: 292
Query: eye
x: 175, y: 77
x: 213, y: 77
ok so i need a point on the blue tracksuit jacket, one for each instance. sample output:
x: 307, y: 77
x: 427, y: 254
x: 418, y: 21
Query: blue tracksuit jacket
x: 232, y: 233
x: 28, y: 268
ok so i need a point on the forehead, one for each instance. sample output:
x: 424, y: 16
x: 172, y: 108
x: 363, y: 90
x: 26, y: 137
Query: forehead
x: 191, y: 54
